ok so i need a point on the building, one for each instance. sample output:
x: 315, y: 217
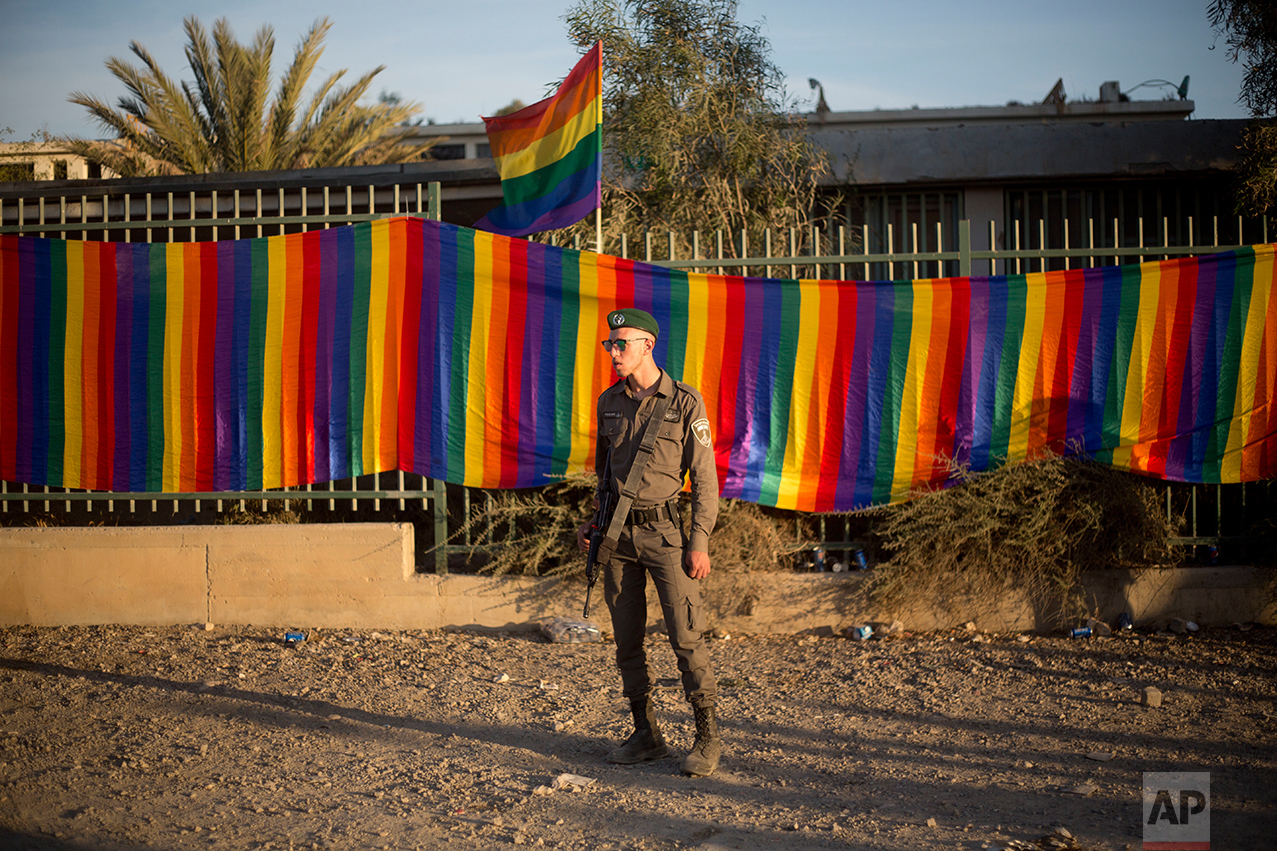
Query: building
x: 1112, y: 172
x: 46, y: 161
x: 1051, y: 175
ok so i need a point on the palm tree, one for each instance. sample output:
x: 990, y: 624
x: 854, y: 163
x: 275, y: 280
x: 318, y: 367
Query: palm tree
x: 226, y: 120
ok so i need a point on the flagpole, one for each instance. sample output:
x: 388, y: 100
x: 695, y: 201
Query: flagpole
x: 598, y: 211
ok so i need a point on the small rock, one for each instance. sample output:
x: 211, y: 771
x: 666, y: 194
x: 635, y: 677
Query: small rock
x: 1100, y: 756
x: 208, y: 627
x: 1084, y: 789
x: 1178, y: 626
x: 969, y: 626
x: 1151, y: 696
x: 504, y: 678
x: 931, y: 822
x: 1190, y: 626
x: 1023, y: 639
x: 1099, y: 628
x: 1062, y: 831
x: 575, y: 781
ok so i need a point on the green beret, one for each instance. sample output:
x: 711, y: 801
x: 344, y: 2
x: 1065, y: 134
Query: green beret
x: 632, y: 317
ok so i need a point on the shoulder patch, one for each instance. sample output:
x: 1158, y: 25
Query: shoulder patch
x: 701, y: 429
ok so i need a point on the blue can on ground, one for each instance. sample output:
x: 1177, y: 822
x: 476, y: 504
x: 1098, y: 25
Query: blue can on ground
x: 1080, y: 632
x: 292, y: 638
x: 858, y: 560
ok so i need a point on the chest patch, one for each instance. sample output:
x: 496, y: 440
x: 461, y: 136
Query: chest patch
x: 672, y: 416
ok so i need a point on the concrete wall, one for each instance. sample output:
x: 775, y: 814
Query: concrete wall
x: 362, y: 576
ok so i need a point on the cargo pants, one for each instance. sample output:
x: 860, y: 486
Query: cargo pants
x: 656, y: 549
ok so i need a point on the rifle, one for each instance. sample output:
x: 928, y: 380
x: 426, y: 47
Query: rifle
x: 598, y: 530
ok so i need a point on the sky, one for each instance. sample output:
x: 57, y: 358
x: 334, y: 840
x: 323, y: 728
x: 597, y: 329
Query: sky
x: 463, y: 59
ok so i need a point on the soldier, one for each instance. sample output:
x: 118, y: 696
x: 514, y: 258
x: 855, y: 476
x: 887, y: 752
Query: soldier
x: 652, y: 541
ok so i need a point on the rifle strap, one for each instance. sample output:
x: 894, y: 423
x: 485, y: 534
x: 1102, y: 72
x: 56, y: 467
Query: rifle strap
x: 646, y: 447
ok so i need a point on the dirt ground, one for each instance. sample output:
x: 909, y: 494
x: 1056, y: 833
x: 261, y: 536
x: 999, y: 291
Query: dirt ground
x: 187, y: 738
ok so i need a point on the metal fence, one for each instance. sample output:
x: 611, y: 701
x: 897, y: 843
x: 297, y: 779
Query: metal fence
x: 443, y: 514
x: 842, y: 253
x: 211, y: 214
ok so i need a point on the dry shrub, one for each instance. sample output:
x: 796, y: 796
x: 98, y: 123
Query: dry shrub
x: 750, y: 537
x: 1033, y: 527
x: 534, y: 531
x: 251, y: 514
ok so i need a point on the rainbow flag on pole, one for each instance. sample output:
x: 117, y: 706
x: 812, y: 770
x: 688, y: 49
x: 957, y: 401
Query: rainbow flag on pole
x: 550, y: 155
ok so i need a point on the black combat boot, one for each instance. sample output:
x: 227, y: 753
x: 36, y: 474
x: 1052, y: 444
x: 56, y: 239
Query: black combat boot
x: 646, y: 742
x: 708, y: 747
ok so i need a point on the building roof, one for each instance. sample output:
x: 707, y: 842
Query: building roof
x: 990, y: 152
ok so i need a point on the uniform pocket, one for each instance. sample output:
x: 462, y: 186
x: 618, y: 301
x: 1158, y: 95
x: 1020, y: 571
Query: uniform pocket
x: 691, y: 613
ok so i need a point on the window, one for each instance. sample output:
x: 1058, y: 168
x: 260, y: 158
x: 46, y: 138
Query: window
x: 448, y: 152
x: 900, y: 223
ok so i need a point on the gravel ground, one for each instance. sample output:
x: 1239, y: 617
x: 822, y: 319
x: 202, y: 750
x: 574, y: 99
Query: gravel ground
x: 184, y: 738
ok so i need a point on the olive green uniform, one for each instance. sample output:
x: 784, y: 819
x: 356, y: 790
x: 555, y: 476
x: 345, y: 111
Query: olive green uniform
x: 652, y: 541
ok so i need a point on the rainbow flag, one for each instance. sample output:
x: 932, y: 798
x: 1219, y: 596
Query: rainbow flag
x: 474, y: 358
x: 550, y: 155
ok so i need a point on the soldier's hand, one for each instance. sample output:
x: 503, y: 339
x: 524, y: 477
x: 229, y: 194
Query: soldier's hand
x: 583, y: 537
x: 697, y: 564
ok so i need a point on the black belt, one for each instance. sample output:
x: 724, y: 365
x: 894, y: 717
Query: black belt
x: 641, y: 516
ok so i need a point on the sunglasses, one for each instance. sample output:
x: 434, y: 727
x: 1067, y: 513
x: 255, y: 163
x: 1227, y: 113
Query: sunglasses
x: 620, y: 344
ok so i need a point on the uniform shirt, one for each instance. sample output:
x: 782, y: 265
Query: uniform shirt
x: 683, y: 446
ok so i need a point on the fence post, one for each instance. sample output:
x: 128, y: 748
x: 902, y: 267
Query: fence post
x: 434, y: 210
x: 964, y: 248
x: 440, y: 500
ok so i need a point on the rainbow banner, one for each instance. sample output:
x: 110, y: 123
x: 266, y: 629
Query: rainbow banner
x: 474, y: 358
x: 550, y: 155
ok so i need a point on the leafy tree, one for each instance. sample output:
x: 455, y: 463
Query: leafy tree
x: 699, y: 133
x: 511, y: 107
x: 226, y: 119
x: 14, y: 171
x: 1249, y: 28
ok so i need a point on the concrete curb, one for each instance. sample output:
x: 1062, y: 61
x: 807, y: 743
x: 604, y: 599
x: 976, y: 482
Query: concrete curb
x: 363, y: 576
